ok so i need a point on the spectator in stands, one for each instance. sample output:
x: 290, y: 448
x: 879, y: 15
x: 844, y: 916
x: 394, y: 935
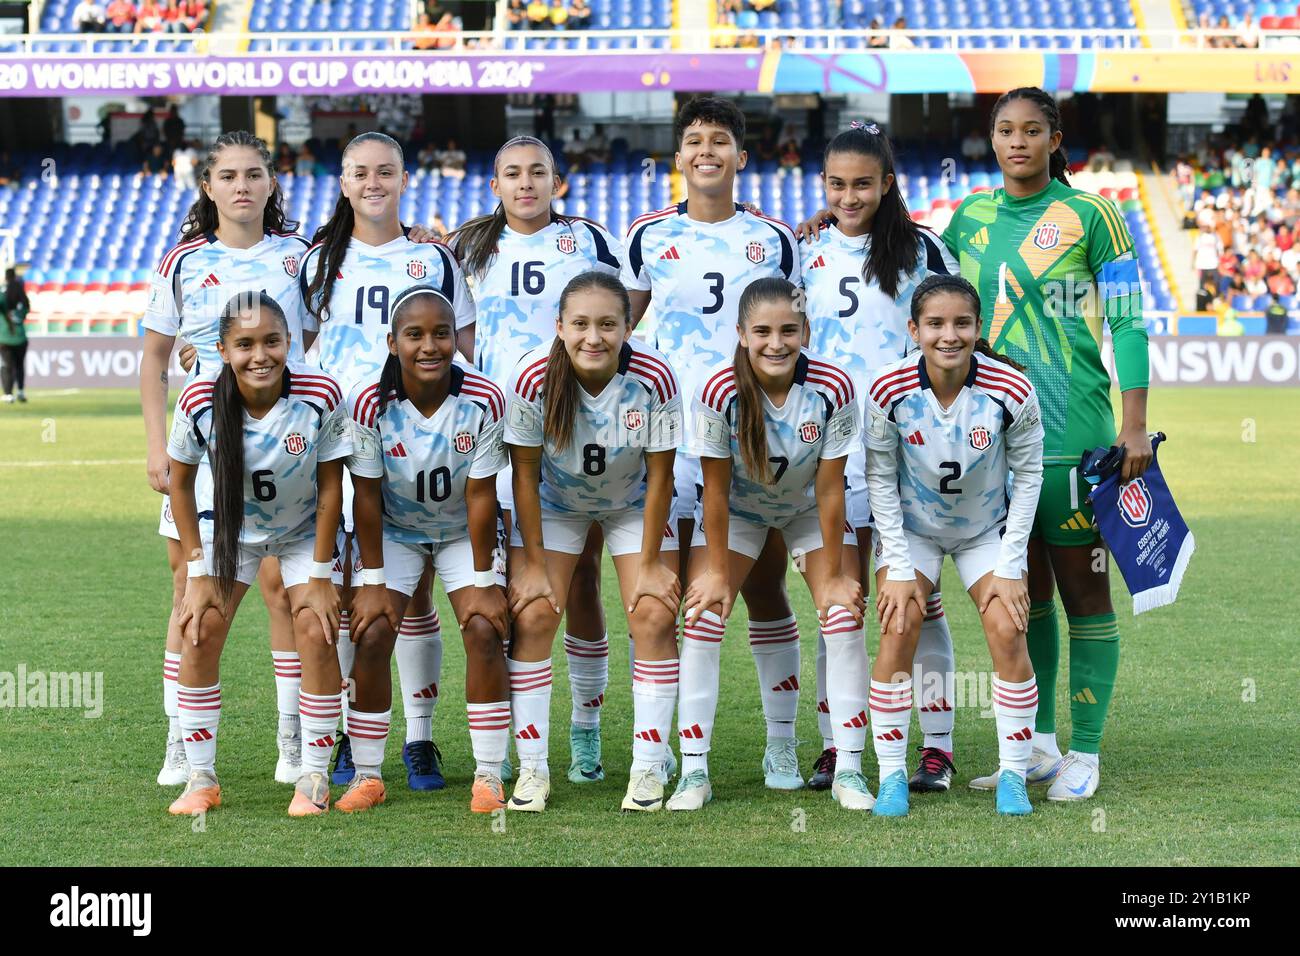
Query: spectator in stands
x: 306, y: 162
x: 1207, y: 296
x: 1262, y: 173
x: 284, y: 160
x: 451, y: 161
x: 427, y: 158
x: 424, y: 33
x: 975, y: 147
x: 447, y: 28
x: 156, y: 162
x: 598, y: 146
x: 878, y: 39
x: 1229, y: 324
x: 899, y: 40
x: 579, y: 15
x: 575, y: 152
x: 88, y: 17
x: 1249, y: 32
x: 1206, y: 250
x: 517, y: 15
x: 1222, y: 41
x: 790, y: 158
x: 559, y: 15
x: 121, y: 16
x: 1185, y: 176
x: 174, y: 19
x: 758, y: 6
x: 149, y: 17
x: 1275, y: 317
x: 184, y: 161
x: 173, y: 128
x: 539, y: 15
x: 725, y: 34
x: 729, y: 6
x: 14, y: 306
x: 147, y: 136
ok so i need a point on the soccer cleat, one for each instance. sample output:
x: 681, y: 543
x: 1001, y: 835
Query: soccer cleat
x: 934, y: 775
x: 1043, y: 768
x: 531, y: 792
x: 1013, y: 798
x: 344, y: 770
x: 311, y: 795
x: 849, y: 789
x: 201, y: 794
x: 892, y: 800
x: 288, y: 768
x: 487, y: 794
x: 645, y: 792
x: 423, y: 765
x: 668, y: 769
x: 364, y: 793
x: 823, y: 774
x: 507, y: 771
x: 8, y: 399
x: 22, y: 396
x: 175, y: 769
x: 693, y: 791
x: 584, y: 745
x: 781, y: 765
x: 1077, y: 779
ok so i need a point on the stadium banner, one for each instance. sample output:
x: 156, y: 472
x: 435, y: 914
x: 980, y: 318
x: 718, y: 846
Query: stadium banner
x: 772, y: 71
x: 89, y: 361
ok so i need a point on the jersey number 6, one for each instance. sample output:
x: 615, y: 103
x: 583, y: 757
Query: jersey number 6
x: 263, y: 486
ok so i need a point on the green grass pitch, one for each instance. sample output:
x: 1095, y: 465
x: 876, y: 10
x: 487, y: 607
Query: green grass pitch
x: 1194, y: 760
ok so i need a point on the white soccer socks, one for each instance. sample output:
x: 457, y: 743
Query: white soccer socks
x: 848, y: 671
x: 419, y: 668
x: 697, y: 705
x: 1015, y: 706
x: 654, y: 692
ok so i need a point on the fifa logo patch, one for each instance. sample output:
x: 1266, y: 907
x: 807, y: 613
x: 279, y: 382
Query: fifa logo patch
x: 980, y: 438
x: 809, y: 432
x: 291, y: 266
x: 1047, y: 235
x: 756, y: 252
x: 566, y: 244
x: 633, y: 419
x: 1135, y: 503
x: 295, y: 444
x: 415, y: 269
x: 464, y: 442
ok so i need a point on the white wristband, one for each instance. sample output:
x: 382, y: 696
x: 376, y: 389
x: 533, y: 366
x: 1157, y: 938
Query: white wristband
x: 372, y: 576
x: 321, y: 569
x: 485, y: 579
x: 196, y: 569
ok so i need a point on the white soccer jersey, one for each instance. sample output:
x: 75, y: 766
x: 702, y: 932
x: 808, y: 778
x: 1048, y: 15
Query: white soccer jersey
x: 517, y: 299
x: 818, y: 420
x: 196, y: 279
x: 696, y: 272
x: 854, y: 323
x: 942, y: 472
x: 603, y: 468
x: 354, y: 328
x: 306, y: 426
x: 426, y: 462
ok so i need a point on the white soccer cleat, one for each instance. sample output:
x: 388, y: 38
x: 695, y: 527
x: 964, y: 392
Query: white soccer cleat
x: 288, y: 768
x: 1078, y: 779
x: 849, y: 789
x: 1043, y: 768
x: 531, y: 792
x: 175, y: 769
x: 693, y: 792
x: 668, y: 769
x: 645, y: 792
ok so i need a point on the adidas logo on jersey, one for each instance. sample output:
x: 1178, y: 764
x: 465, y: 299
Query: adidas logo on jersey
x: 323, y: 742
x: 823, y: 707
x: 595, y: 702
x: 1077, y: 522
x: 671, y: 253
x: 818, y: 263
x: 790, y: 683
x: 651, y: 735
x: 397, y: 451
x: 915, y: 438
x: 199, y: 736
x: 210, y: 281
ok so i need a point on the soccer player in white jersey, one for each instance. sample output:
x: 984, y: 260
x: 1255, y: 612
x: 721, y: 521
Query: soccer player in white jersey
x: 593, y: 426
x: 691, y: 262
x: 235, y: 240
x: 360, y: 259
x: 773, y: 428
x: 945, y: 426
x: 275, y: 432
x: 427, y: 452
x: 859, y: 275
x: 520, y: 257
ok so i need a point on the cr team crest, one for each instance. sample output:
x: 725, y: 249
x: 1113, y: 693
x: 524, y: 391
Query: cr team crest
x: 1047, y: 235
x: 415, y: 269
x: 1135, y: 503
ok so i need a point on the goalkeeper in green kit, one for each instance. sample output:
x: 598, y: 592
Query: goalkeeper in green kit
x: 1051, y: 264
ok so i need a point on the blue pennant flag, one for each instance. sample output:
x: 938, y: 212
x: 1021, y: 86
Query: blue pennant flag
x: 1140, y: 523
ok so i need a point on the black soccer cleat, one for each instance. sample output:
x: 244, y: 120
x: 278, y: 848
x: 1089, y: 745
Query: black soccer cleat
x: 823, y: 774
x: 935, y: 773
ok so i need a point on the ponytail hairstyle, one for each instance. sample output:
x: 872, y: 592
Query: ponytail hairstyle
x: 560, y: 400
x: 895, y: 237
x: 390, y: 378
x: 202, y: 217
x: 336, y: 234
x: 476, y: 241
x: 1058, y: 162
x: 935, y: 284
x: 226, y: 449
x: 751, y: 429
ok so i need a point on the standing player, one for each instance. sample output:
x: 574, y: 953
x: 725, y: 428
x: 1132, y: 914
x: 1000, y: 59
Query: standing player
x: 235, y: 240
x: 428, y: 448
x: 275, y: 433
x: 521, y: 256
x: 359, y: 261
x: 1052, y: 264
x: 945, y: 426
x: 694, y: 260
x: 773, y: 428
x: 859, y: 276
x: 593, y: 427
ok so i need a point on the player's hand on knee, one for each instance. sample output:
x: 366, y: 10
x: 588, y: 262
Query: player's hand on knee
x: 892, y: 603
x: 321, y: 598
x: 711, y: 589
x: 369, y: 604
x: 200, y: 597
x: 489, y: 604
x: 658, y: 582
x: 1014, y: 594
x: 528, y: 584
x: 843, y: 591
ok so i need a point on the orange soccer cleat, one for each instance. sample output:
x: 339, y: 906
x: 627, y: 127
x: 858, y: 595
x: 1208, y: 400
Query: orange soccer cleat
x: 365, y: 793
x: 201, y: 794
x: 311, y: 795
x: 487, y: 794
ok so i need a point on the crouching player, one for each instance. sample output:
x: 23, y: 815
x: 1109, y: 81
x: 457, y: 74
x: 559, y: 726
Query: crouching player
x: 944, y: 427
x: 427, y: 437
x: 276, y: 435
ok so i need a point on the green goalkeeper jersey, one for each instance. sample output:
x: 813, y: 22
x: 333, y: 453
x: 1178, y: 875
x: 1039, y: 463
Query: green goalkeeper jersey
x: 1050, y: 268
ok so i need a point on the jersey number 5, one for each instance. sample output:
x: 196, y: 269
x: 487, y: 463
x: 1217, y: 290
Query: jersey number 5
x: 846, y: 290
x: 946, y: 482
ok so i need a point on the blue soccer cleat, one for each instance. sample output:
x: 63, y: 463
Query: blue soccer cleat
x: 1013, y: 798
x: 423, y: 765
x: 344, y: 770
x: 781, y: 765
x: 891, y: 800
x: 584, y: 745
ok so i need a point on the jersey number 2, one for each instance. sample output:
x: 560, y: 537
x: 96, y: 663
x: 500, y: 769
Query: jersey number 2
x: 946, y: 482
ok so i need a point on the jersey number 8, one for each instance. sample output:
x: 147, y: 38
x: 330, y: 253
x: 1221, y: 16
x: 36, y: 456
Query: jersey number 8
x: 593, y: 460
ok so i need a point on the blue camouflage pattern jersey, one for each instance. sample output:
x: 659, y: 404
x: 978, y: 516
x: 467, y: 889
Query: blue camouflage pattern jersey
x: 603, y: 468
x: 855, y: 324
x: 196, y: 279
x: 354, y: 327
x: 517, y: 298
x: 695, y: 273
x: 306, y: 426
x: 818, y: 420
x: 425, y: 463
x: 952, y: 463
